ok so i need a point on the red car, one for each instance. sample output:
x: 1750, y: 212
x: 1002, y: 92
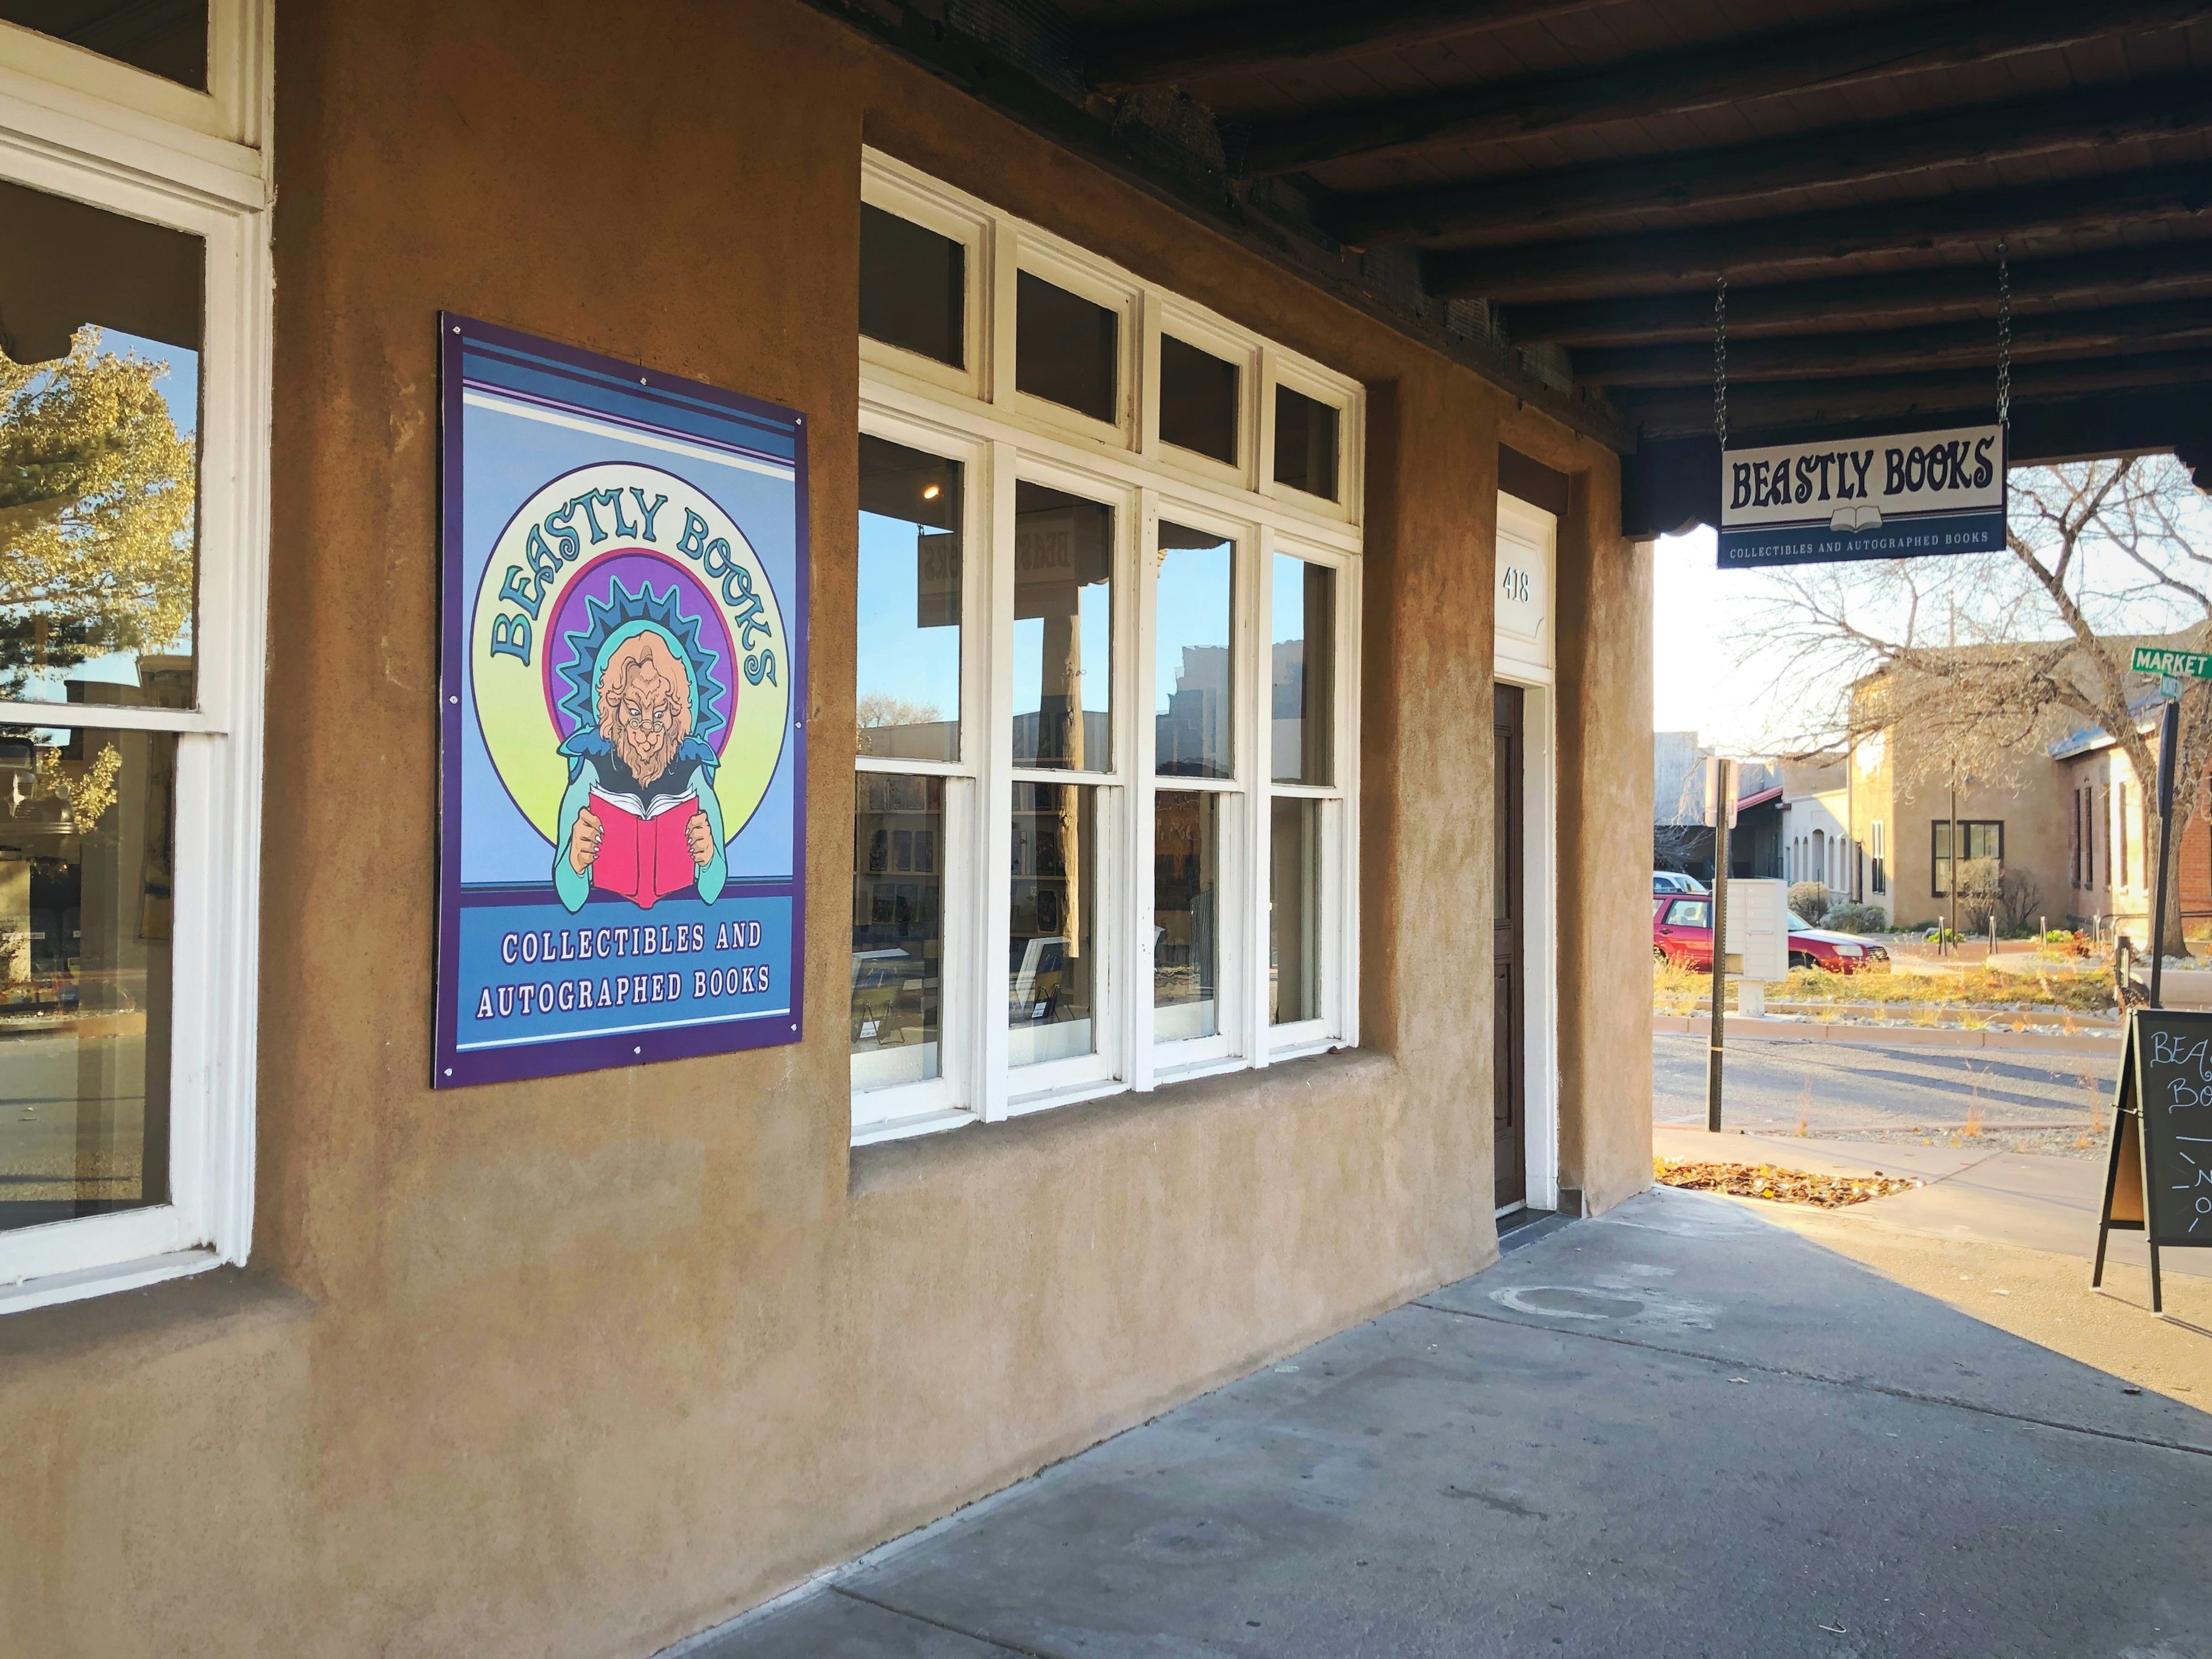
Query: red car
x: 1683, y: 933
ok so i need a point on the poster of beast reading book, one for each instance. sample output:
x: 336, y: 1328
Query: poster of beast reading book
x: 622, y: 797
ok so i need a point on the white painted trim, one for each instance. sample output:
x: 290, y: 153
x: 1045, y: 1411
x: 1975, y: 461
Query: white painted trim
x: 1124, y: 464
x: 117, y: 147
x: 1533, y: 669
x: 112, y: 716
x: 899, y: 189
x: 89, y: 1282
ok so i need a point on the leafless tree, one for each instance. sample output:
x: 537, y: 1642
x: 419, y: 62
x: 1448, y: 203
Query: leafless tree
x: 1981, y: 655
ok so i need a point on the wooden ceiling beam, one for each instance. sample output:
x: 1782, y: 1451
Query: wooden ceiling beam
x: 1856, y: 52
x: 2057, y: 335
x: 1534, y: 207
x: 1781, y: 403
x: 1167, y: 51
x: 1883, y: 300
x: 1809, y: 243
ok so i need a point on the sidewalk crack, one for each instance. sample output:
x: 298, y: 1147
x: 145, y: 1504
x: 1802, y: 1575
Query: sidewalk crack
x: 879, y: 1603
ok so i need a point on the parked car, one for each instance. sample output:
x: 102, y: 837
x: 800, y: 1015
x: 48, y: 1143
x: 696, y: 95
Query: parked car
x: 1673, y: 881
x: 1683, y: 933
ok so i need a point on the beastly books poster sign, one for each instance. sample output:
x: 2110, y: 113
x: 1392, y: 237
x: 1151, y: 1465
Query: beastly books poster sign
x: 622, y: 805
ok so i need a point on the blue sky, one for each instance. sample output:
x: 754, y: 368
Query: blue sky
x: 896, y: 658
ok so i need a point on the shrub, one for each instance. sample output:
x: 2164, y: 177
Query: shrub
x: 1855, y: 919
x: 2018, y: 894
x: 1809, y: 899
x: 1978, y: 883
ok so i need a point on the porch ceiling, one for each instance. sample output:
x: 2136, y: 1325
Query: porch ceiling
x: 1558, y: 183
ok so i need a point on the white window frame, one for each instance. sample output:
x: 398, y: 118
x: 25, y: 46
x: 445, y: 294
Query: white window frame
x: 1014, y: 437
x: 1156, y: 1061
x: 941, y: 1101
x: 920, y: 201
x: 75, y: 124
x: 1339, y: 894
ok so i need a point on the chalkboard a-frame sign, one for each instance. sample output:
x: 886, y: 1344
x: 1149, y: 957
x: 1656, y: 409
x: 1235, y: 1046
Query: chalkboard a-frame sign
x: 2159, y: 1180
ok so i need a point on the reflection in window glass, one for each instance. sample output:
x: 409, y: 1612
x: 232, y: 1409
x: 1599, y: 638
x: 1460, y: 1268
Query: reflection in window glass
x: 898, y: 928
x: 1065, y: 349
x: 907, y: 660
x: 168, y: 38
x: 87, y: 861
x: 1198, y: 400
x: 1063, y: 630
x: 913, y: 287
x: 1186, y: 915
x: 1984, y: 844
x: 99, y: 364
x: 1192, y: 701
x: 1306, y: 443
x: 1052, y: 970
x: 1294, y: 912
x: 1304, y: 693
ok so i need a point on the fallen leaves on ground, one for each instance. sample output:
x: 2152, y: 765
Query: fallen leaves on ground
x: 1781, y: 1186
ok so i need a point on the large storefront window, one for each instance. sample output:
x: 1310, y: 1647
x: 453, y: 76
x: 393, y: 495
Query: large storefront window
x: 1050, y: 547
x: 133, y: 322
x: 88, y: 881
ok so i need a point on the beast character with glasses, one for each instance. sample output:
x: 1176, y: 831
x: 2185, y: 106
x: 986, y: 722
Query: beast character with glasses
x: 639, y: 819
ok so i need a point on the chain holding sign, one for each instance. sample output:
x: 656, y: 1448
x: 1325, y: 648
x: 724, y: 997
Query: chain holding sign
x: 1831, y: 500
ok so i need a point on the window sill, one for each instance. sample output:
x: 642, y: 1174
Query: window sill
x: 51, y: 1289
x: 906, y: 1128
x: 889, y: 1163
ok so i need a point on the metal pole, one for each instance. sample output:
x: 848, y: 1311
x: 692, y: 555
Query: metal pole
x: 1951, y: 880
x: 2169, y: 736
x: 1720, y: 955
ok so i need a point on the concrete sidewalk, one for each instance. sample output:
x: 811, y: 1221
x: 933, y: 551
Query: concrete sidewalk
x: 1972, y: 1195
x: 1679, y: 1429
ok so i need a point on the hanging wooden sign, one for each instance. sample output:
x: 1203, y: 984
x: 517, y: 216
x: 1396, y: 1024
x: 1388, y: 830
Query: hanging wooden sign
x: 1830, y: 501
x: 2159, y: 1181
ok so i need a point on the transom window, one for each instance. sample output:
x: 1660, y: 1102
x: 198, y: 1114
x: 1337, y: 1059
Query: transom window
x: 1094, y: 512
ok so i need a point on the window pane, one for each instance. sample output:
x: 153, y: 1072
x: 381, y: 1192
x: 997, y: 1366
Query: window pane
x: 913, y: 287
x: 169, y: 38
x: 908, y: 654
x: 1063, y: 630
x: 1053, y: 968
x: 1306, y: 443
x: 1186, y: 915
x: 1065, y: 349
x: 88, y: 859
x: 99, y: 356
x: 898, y: 928
x: 1304, y: 693
x: 1191, y: 697
x: 1198, y: 400
x: 1294, y: 912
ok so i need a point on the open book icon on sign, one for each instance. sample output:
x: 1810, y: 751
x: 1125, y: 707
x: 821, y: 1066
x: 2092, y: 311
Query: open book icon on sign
x: 1856, y: 518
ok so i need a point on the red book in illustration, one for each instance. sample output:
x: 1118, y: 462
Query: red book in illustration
x: 645, y: 851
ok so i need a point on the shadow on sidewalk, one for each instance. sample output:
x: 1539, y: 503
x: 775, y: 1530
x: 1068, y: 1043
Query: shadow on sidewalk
x: 1676, y: 1428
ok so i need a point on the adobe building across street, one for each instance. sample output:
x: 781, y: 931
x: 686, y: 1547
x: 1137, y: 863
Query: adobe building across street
x: 765, y: 760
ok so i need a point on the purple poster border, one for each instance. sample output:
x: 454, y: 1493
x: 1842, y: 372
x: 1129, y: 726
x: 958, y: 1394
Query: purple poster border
x: 451, y: 1067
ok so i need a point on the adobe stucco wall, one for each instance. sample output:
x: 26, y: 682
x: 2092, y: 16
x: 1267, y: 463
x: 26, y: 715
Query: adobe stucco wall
x: 578, y: 1367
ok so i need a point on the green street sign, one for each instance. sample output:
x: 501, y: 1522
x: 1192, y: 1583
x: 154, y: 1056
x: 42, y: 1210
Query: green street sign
x: 2196, y: 664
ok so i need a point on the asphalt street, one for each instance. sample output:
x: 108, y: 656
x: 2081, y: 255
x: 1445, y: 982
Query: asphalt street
x: 1839, y: 1088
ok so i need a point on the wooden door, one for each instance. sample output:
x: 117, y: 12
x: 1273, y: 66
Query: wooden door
x: 1510, y: 1137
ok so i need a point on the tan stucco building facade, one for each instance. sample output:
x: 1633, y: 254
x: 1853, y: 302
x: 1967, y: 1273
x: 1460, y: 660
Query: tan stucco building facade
x: 584, y: 1366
